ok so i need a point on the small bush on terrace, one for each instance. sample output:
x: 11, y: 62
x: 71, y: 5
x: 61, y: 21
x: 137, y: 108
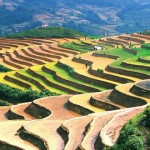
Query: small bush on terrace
x: 100, y: 70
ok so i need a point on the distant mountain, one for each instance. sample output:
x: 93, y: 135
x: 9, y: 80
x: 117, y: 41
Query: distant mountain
x: 89, y: 16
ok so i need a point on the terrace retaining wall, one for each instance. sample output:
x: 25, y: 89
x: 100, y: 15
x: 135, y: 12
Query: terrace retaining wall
x: 78, y: 109
x: 6, y: 146
x: 109, y: 76
x: 130, y: 50
x: 37, y: 111
x: 82, y: 61
x: 36, y: 140
x: 68, y: 82
x: 40, y: 86
x: 88, y: 79
x: 140, y: 67
x: 52, y: 52
x: 127, y: 72
x: 105, y: 55
x: 19, y: 62
x: 133, y: 39
x: 63, y: 50
x: 144, y: 60
x: 102, y: 105
x: 126, y: 100
x: 20, y: 83
x: 11, y: 63
x: 13, y: 116
x: 44, y: 54
x: 28, y: 58
x: 51, y: 83
x: 140, y: 91
x: 38, y: 57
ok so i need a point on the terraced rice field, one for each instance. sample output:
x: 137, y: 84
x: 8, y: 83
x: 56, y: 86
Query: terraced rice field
x: 99, y: 91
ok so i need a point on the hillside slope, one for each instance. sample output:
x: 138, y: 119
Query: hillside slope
x: 101, y: 83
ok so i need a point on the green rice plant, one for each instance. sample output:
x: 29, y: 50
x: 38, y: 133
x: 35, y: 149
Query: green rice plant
x: 80, y: 48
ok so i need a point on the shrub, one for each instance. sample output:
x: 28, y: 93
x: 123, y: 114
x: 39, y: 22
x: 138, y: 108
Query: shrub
x: 100, y: 70
x: 146, y: 45
x: 14, y: 95
x: 9, y: 93
x: 147, y: 117
x: 130, y: 139
x: 4, y: 69
x: 4, y: 103
x: 45, y: 93
x: 30, y: 95
x: 134, y: 143
x: 70, y: 70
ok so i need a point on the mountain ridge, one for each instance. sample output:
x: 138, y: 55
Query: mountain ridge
x: 92, y: 17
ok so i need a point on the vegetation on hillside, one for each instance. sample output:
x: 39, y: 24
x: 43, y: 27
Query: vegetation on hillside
x: 14, y: 95
x: 135, y: 134
x: 4, y: 69
x: 47, y: 32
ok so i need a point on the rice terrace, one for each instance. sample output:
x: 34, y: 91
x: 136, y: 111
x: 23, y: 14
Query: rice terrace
x: 64, y: 90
